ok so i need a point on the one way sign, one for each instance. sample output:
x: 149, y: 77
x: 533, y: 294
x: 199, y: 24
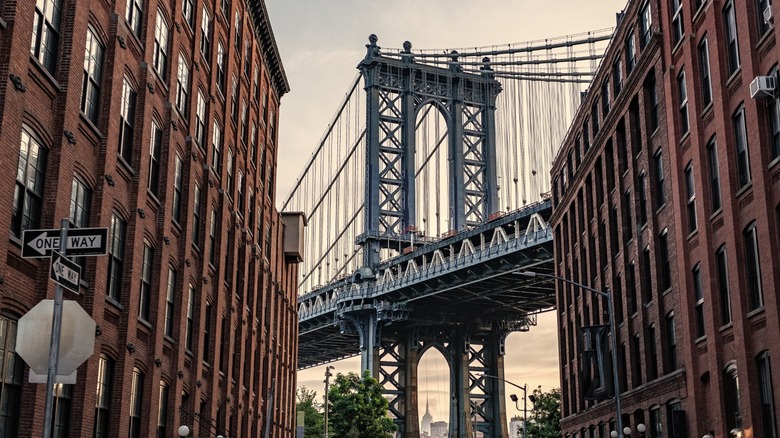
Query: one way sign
x: 80, y: 242
x: 65, y: 272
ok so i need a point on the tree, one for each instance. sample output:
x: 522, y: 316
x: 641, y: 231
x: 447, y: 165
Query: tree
x: 544, y: 420
x: 357, y: 408
x: 313, y: 421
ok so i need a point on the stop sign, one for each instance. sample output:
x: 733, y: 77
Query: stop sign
x: 77, y: 337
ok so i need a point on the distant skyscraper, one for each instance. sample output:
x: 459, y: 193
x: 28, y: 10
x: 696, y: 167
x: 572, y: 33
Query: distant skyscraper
x: 426, y: 419
x: 515, y: 427
x: 439, y: 429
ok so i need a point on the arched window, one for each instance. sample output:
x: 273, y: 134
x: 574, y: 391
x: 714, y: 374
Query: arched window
x: 731, y: 397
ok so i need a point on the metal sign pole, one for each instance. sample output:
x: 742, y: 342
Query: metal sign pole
x: 54, y: 349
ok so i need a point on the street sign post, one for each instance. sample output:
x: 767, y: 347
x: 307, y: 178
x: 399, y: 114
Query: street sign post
x: 79, y: 242
x: 65, y: 272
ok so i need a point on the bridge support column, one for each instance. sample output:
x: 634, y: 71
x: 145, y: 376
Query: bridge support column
x: 398, y: 375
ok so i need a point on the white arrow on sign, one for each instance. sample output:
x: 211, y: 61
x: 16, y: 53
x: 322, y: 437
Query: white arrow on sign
x: 44, y: 243
x: 60, y: 270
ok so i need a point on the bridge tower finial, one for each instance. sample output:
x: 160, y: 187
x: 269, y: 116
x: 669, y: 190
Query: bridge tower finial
x: 372, y: 49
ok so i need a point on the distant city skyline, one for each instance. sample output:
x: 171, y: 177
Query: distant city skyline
x: 321, y: 44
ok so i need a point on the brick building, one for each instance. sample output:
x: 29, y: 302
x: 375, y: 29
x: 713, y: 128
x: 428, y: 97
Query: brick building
x: 667, y: 192
x: 156, y: 119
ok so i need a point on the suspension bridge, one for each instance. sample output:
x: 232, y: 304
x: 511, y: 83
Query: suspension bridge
x: 426, y: 195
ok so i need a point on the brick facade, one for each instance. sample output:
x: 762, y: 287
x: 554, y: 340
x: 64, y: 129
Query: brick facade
x: 228, y: 356
x: 662, y: 205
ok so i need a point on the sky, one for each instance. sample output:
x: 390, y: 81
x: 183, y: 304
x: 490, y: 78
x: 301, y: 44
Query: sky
x: 321, y: 43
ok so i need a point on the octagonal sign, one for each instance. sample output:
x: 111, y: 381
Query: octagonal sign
x: 77, y: 337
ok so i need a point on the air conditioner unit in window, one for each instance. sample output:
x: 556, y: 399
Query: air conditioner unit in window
x: 768, y: 17
x: 763, y: 87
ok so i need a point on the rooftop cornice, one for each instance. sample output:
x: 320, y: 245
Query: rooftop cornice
x: 265, y: 35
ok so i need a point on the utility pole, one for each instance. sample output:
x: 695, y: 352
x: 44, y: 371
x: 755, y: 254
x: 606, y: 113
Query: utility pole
x: 328, y: 375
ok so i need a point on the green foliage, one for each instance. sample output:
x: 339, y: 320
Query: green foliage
x: 357, y: 408
x: 544, y: 420
x: 314, y: 420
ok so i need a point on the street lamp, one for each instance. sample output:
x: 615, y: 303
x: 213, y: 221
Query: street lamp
x: 328, y: 375
x: 613, y: 334
x: 183, y: 431
x: 514, y: 398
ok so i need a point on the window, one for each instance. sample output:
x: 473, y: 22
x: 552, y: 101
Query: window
x: 658, y: 163
x: 240, y: 195
x: 244, y: 122
x: 177, y: 184
x: 46, y: 33
x: 605, y: 97
x: 731, y: 398
x: 247, y: 56
x: 182, y: 85
x: 636, y: 362
x: 645, y: 24
x: 63, y: 395
x: 136, y: 402
x: 656, y: 427
x: 594, y: 116
x: 265, y: 104
x: 731, y: 38
x: 253, y: 144
x: 677, y: 21
x: 226, y: 9
x: 753, y: 268
x: 133, y: 16
x: 221, y: 67
x: 216, y: 149
x: 766, y: 396
x: 712, y: 162
x: 635, y: 129
x: 196, y: 216
x: 630, y: 53
x: 617, y: 75
x: 237, y: 33
x: 169, y: 301
x: 187, y: 12
x: 80, y: 205
x: 200, y: 120
x: 256, y: 83
x: 698, y: 294
x: 761, y: 6
x: 645, y: 279
x: 704, y: 71
x: 116, y: 257
x: 162, y: 411
x: 160, y: 53
x: 234, y: 100
x: 640, y: 185
x: 144, y: 294
x: 651, y: 94
x: 652, y: 354
x: 683, y: 99
x: 105, y: 376
x: 205, y: 35
x: 665, y: 264
x: 774, y: 122
x: 188, y: 335
x: 127, y: 121
x: 80, y: 201
x: 721, y: 267
x: 268, y: 241
x: 213, y: 237
x: 12, y: 368
x: 671, y: 344
x: 223, y: 345
x: 207, y: 333
x: 690, y: 189
x: 740, y: 137
x: 93, y: 75
x: 155, y: 144
x: 628, y: 229
x: 230, y: 165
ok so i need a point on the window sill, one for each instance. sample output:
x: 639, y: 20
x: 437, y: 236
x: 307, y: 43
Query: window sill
x: 700, y: 340
x: 726, y: 326
x: 744, y: 189
x: 716, y: 213
x: 732, y: 77
x: 46, y: 73
x: 774, y: 162
x: 707, y: 110
x: 145, y: 323
x: 756, y: 311
x: 693, y: 234
x: 765, y: 37
x: 114, y: 303
x: 90, y: 125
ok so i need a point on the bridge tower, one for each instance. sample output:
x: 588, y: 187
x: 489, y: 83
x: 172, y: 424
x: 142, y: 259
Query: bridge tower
x: 396, y: 89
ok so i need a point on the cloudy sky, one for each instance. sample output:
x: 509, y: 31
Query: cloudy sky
x: 321, y: 43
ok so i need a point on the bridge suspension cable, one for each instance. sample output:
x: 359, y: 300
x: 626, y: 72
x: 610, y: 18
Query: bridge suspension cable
x: 542, y: 82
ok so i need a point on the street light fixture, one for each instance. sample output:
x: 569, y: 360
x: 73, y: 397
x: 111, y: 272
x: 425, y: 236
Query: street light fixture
x: 613, y: 335
x: 183, y: 431
x: 514, y: 398
x: 328, y: 375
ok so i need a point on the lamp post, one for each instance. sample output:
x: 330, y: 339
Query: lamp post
x: 613, y: 334
x: 514, y: 399
x: 328, y: 375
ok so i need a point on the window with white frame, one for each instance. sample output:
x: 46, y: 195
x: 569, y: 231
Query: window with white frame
x: 682, y: 95
x: 93, y: 76
x: 753, y: 268
x: 170, y: 294
x: 677, y: 21
x: 178, y: 169
x: 160, y: 53
x: 116, y: 258
x: 105, y: 377
x: 221, y: 67
x: 133, y: 16
x: 205, y: 35
x: 645, y: 24
x: 182, y: 85
x: 155, y: 146
x: 714, y: 174
x: 216, y: 149
x: 30, y: 178
x: 145, y: 291
x: 46, y: 33
x: 200, y: 119
x: 741, y: 146
x: 732, y: 44
x: 704, y: 71
x: 127, y: 121
x: 690, y: 191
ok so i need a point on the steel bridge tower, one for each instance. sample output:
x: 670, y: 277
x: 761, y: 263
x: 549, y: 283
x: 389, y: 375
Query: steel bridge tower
x: 396, y: 89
